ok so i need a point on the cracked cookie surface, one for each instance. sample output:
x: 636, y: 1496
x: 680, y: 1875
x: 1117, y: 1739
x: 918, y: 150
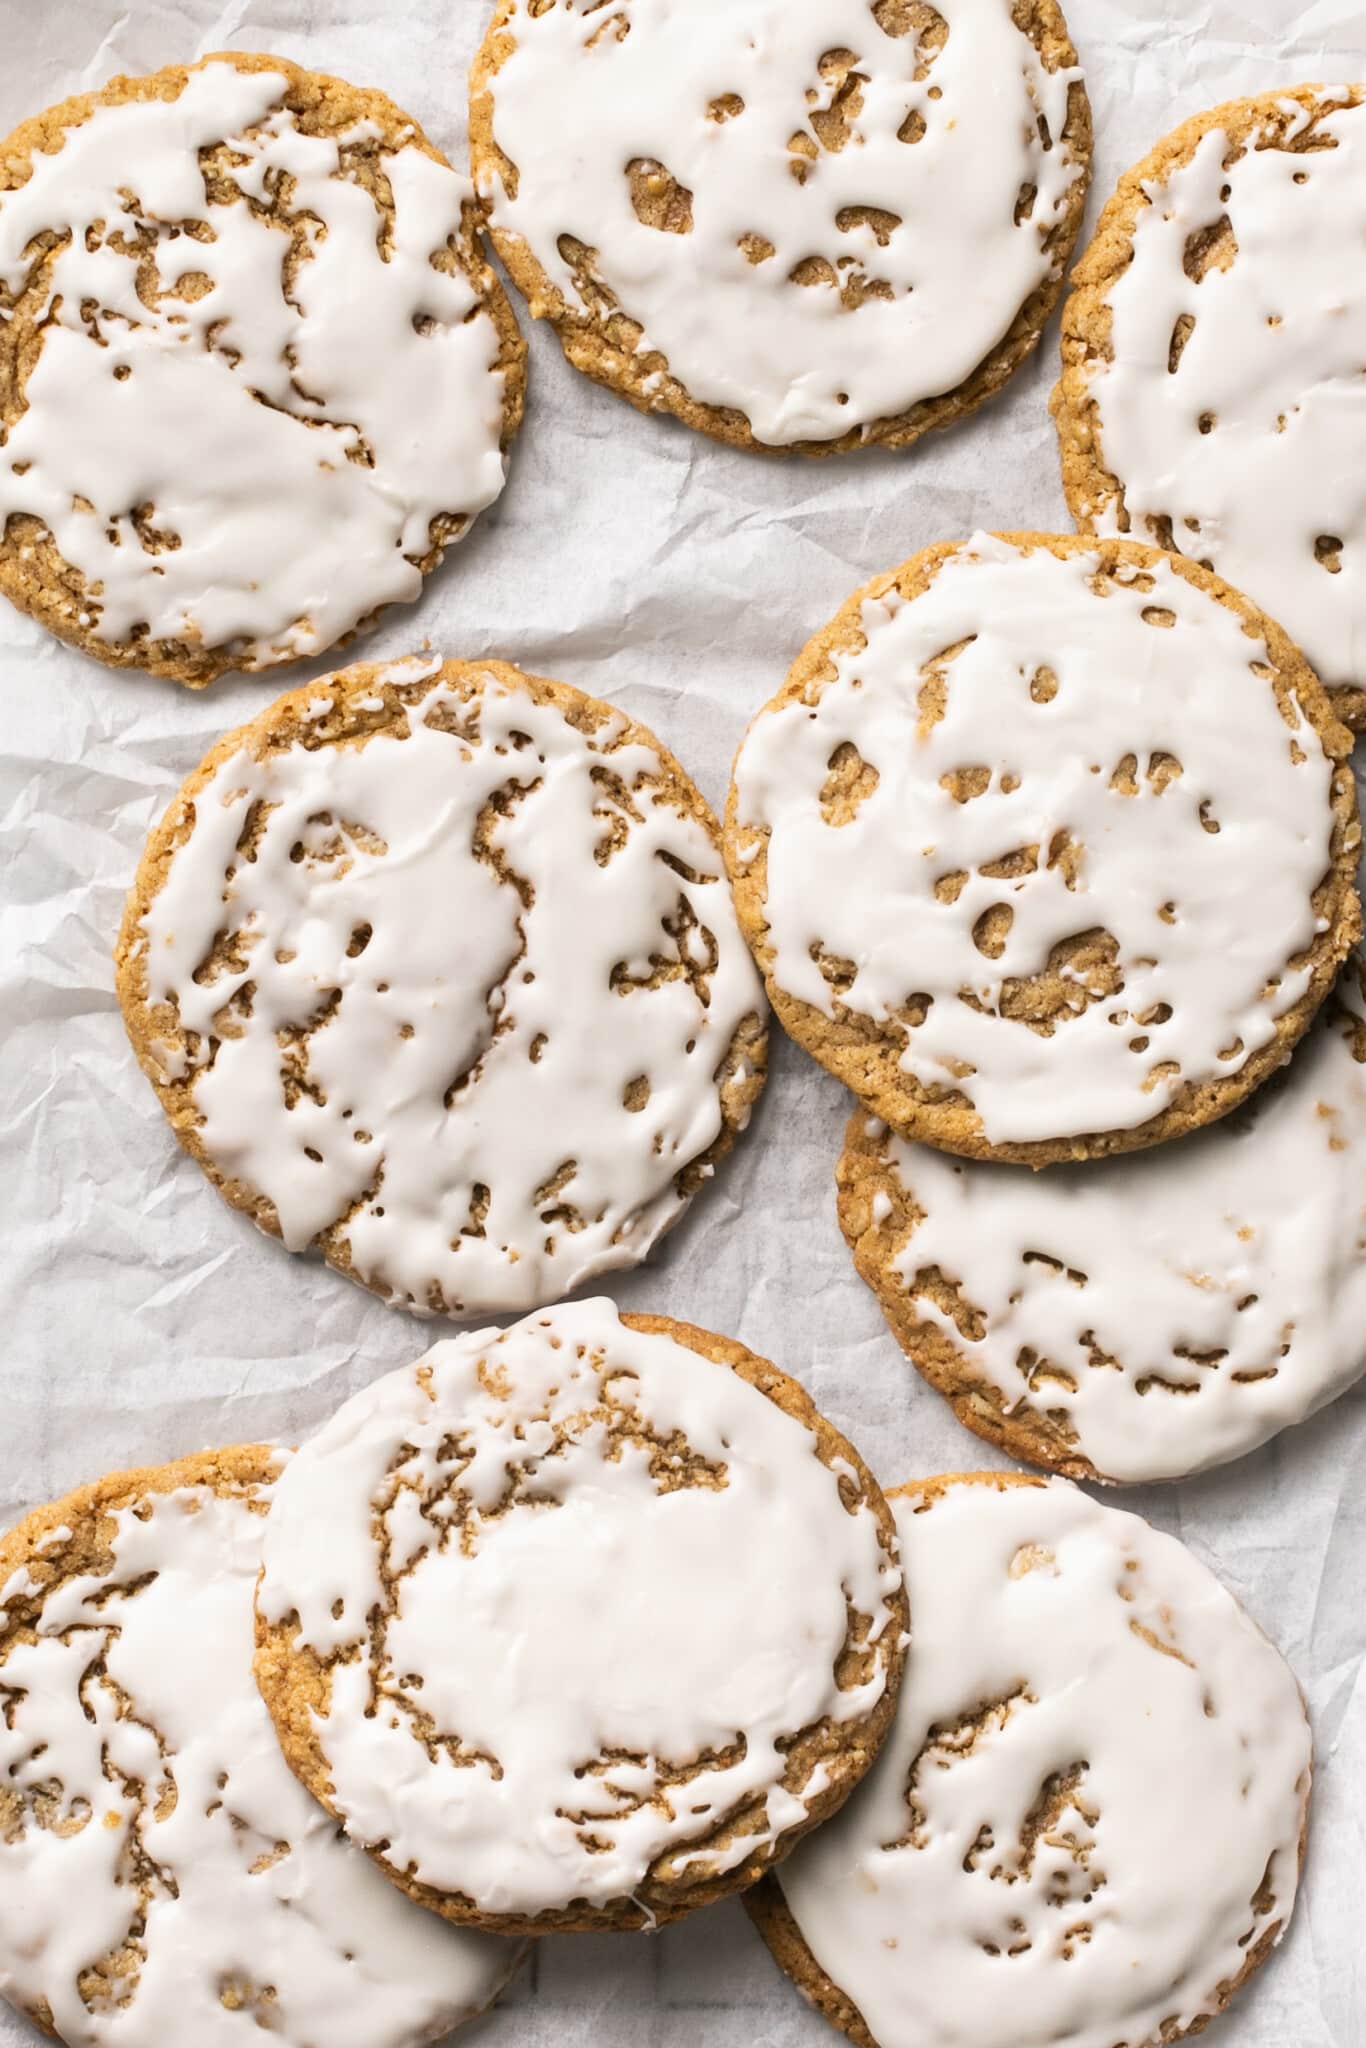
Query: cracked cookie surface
x: 580, y: 1624
x: 255, y: 371
x: 1088, y: 1820
x: 1212, y: 351
x: 434, y: 967
x: 163, y: 1876
x: 775, y: 205
x: 1047, y: 847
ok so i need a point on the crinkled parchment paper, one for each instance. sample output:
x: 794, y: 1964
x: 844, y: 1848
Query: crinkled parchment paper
x: 142, y: 1318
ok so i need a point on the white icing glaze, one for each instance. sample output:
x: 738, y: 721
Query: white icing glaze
x: 1198, y: 1297
x: 865, y: 890
x: 1276, y: 358
x: 253, y: 1885
x: 1110, y: 1648
x: 460, y: 977
x: 590, y: 90
x: 597, y: 1616
x: 289, y: 537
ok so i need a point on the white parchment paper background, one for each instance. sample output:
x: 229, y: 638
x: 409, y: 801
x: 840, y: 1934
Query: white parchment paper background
x: 140, y: 1318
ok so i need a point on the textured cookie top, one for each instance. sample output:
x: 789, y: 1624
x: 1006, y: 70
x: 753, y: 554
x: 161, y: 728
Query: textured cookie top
x: 583, y: 1614
x: 1086, y: 1823
x: 791, y: 220
x: 1213, y: 355
x: 436, y: 967
x: 1044, y: 841
x: 1140, y: 1318
x: 255, y: 372
x: 163, y: 1876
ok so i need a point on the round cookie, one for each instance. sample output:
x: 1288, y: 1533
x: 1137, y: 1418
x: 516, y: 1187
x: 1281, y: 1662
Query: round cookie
x: 255, y: 371
x: 1046, y: 847
x: 434, y: 967
x: 163, y: 1876
x: 1135, y: 1318
x: 1087, y: 1822
x: 803, y: 225
x: 1212, y: 348
x: 580, y: 1624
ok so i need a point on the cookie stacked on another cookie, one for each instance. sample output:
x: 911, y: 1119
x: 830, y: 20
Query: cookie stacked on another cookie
x: 163, y: 1877
x: 582, y: 1623
x: 1047, y: 849
x: 578, y: 1624
x: 434, y: 967
x: 255, y: 371
x: 808, y: 225
x: 1087, y: 1823
x: 1144, y: 1317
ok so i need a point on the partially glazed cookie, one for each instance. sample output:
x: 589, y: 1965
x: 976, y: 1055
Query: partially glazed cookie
x: 795, y: 224
x: 1212, y: 353
x: 163, y: 1876
x: 434, y: 968
x: 581, y: 1623
x: 1087, y: 1822
x: 255, y: 371
x: 1046, y: 847
x: 1144, y: 1317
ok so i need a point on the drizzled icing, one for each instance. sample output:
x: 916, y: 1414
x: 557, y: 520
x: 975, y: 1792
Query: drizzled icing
x: 1250, y: 440
x: 1067, y: 1834
x: 1067, y: 704
x: 135, y: 1747
x: 1172, y: 1309
x: 458, y: 1031
x: 890, y: 169
x: 581, y: 1586
x: 299, y: 438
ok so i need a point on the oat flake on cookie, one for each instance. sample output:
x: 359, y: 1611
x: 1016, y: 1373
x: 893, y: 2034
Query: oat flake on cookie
x: 258, y: 371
